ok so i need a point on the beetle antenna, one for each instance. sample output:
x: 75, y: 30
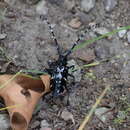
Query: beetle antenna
x: 71, y: 49
x: 52, y: 33
x: 68, y: 52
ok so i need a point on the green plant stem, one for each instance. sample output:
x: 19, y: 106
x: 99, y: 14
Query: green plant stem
x: 82, y: 45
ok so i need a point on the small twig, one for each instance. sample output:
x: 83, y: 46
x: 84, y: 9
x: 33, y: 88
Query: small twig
x: 7, y: 82
x: 87, y: 118
x: 10, y: 107
x: 101, y: 62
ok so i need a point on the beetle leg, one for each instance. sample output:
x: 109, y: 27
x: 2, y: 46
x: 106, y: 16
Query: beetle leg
x: 67, y: 90
x: 49, y: 71
x: 72, y: 76
x: 49, y: 62
x: 71, y: 67
x: 70, y: 50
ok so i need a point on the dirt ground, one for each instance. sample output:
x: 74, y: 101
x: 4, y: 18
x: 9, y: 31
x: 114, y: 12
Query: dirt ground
x: 28, y: 43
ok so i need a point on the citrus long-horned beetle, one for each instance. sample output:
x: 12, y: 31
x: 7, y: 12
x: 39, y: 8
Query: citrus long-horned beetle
x: 58, y: 69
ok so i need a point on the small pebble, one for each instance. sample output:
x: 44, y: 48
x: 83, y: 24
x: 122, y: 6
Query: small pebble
x: 35, y: 124
x: 110, y: 5
x: 77, y: 72
x: 32, y: 2
x: 3, y: 36
x: 69, y: 4
x: 111, y: 128
x: 103, y: 114
x: 75, y: 23
x: 44, y: 123
x: 126, y: 43
x: 45, y: 128
x: 85, y: 55
x: 87, y: 5
x: 66, y: 115
x: 128, y: 36
x: 10, y: 2
x: 102, y: 52
x: 121, y: 115
x: 92, y: 25
x: 41, y: 8
x: 101, y: 30
x: 4, y: 122
x: 122, y: 33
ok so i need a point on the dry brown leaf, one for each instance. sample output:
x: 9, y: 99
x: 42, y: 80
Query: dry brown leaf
x: 11, y: 93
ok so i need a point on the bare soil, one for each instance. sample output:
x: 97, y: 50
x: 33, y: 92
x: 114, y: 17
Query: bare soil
x: 29, y: 45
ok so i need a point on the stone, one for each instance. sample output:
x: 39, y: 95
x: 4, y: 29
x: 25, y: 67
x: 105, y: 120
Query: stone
x: 10, y: 2
x: 122, y: 33
x: 44, y: 123
x: 32, y: 2
x: 102, y: 51
x: 3, y: 36
x: 85, y: 54
x: 75, y: 23
x: 66, y: 115
x: 103, y: 114
x: 69, y: 4
x: 111, y: 128
x: 4, y: 122
x: 77, y: 72
x: 41, y: 8
x: 128, y: 36
x: 45, y: 128
x: 121, y: 115
x: 92, y: 25
x: 126, y: 43
x: 101, y: 30
x: 35, y: 124
x: 87, y: 5
x: 110, y: 5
